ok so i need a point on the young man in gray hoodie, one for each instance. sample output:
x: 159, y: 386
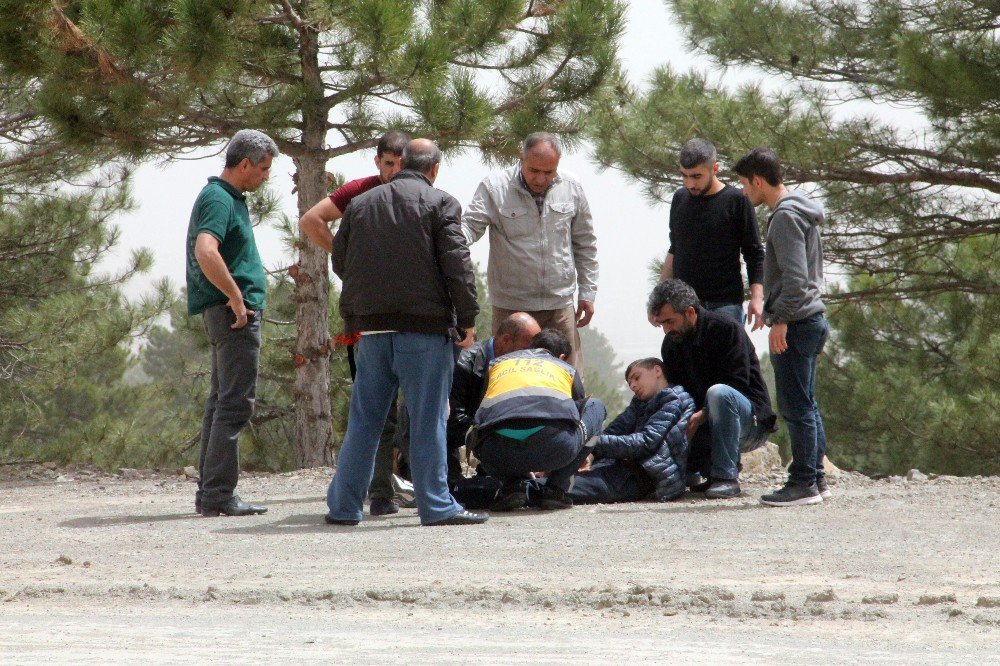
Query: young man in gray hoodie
x: 793, y: 308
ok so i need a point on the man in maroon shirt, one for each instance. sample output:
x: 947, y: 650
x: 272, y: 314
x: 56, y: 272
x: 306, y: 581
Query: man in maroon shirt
x: 315, y: 224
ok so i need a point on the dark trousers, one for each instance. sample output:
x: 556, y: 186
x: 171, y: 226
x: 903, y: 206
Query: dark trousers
x: 559, y: 448
x: 795, y: 384
x: 235, y: 357
x: 608, y: 481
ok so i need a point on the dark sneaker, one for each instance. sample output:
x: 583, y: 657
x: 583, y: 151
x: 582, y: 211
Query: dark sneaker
x: 694, y: 481
x: 382, y: 507
x: 553, y: 499
x: 823, y: 487
x: 723, y: 489
x: 463, y: 517
x: 512, y: 496
x: 792, y: 495
x: 233, y: 507
x: 330, y: 520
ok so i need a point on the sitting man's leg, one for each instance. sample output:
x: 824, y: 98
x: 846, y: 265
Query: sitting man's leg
x: 608, y: 481
x: 730, y: 420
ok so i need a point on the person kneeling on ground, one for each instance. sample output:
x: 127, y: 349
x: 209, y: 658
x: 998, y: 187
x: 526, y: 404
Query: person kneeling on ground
x: 535, y: 417
x: 644, y: 450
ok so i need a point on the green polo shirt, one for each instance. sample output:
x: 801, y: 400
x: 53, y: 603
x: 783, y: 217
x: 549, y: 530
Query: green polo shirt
x: 221, y: 210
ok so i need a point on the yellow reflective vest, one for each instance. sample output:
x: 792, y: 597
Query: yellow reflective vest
x: 528, y: 384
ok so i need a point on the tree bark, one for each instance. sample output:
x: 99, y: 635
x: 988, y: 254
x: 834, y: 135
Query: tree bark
x: 313, y: 435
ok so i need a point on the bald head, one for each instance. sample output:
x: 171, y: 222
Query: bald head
x: 515, y: 333
x: 423, y: 156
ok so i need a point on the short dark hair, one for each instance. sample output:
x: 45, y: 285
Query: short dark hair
x: 536, y: 138
x: 421, y: 159
x: 676, y: 293
x: 392, y: 142
x: 697, y: 152
x: 646, y: 364
x: 553, y: 341
x: 763, y: 162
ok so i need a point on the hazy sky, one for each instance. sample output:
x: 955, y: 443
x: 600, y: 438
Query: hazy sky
x: 630, y: 230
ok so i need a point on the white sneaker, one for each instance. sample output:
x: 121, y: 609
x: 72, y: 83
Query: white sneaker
x: 403, y: 492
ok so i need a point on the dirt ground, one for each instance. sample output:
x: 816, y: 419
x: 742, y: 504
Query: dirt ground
x: 98, y: 568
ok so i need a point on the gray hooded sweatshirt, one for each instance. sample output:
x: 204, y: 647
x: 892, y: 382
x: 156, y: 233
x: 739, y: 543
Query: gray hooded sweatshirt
x: 793, y: 262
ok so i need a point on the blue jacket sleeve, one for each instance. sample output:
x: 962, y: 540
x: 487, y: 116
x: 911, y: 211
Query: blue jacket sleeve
x: 645, y: 442
x: 624, y: 423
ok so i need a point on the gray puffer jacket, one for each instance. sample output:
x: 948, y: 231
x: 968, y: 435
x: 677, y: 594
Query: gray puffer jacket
x: 652, y: 433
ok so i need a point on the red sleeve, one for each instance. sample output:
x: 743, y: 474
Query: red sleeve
x: 342, y: 196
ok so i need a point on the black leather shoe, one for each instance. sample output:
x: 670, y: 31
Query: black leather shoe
x: 330, y: 520
x: 382, y: 507
x: 234, y: 507
x: 723, y: 489
x: 463, y: 517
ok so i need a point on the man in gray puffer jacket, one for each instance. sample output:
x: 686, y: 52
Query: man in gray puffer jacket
x: 793, y: 280
x: 644, y: 451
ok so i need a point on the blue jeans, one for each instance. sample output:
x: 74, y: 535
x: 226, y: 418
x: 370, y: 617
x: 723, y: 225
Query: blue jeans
x: 558, y: 448
x: 733, y: 429
x: 734, y: 310
x: 795, y: 384
x: 235, y: 357
x: 422, y: 365
x: 608, y: 481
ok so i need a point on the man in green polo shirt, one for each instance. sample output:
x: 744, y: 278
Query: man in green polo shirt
x: 226, y: 285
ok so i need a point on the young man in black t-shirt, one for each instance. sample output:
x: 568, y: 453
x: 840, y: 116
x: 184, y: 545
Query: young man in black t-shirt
x: 711, y: 224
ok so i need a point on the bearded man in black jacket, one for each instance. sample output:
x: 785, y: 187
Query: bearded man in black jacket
x: 712, y: 357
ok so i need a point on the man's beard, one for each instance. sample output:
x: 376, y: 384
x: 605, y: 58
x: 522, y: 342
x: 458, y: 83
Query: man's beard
x: 679, y: 336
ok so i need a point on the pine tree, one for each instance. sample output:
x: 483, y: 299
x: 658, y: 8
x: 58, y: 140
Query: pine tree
x: 894, y: 196
x: 325, y: 78
x: 54, y: 308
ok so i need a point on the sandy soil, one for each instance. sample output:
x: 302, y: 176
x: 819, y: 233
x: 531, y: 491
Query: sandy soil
x: 97, y: 568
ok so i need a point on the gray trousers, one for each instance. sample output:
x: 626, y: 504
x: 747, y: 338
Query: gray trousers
x: 235, y: 358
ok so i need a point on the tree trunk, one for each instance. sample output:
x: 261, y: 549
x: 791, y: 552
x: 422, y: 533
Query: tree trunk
x: 313, y: 441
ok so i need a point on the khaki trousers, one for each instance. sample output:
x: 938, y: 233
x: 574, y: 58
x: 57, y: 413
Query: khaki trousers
x: 563, y: 320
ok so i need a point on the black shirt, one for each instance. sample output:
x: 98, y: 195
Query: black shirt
x: 718, y: 352
x: 707, y: 235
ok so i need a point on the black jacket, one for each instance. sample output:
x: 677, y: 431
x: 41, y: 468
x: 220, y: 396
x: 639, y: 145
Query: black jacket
x: 719, y: 351
x: 468, y: 386
x: 403, y: 260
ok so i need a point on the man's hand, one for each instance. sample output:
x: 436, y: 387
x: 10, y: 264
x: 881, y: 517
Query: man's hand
x: 755, y: 313
x: 584, y: 313
x: 694, y: 423
x: 470, y: 337
x: 776, y: 338
x: 240, y: 310
x: 588, y: 461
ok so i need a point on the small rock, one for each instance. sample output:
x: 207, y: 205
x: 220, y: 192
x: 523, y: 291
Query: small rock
x: 130, y: 474
x: 767, y: 596
x: 761, y: 460
x: 86, y: 563
x: 915, y: 475
x: 49, y: 465
x: 191, y: 472
x: 988, y: 602
x: 881, y: 599
x: 823, y: 597
x: 931, y: 599
x: 62, y: 478
x: 64, y: 559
